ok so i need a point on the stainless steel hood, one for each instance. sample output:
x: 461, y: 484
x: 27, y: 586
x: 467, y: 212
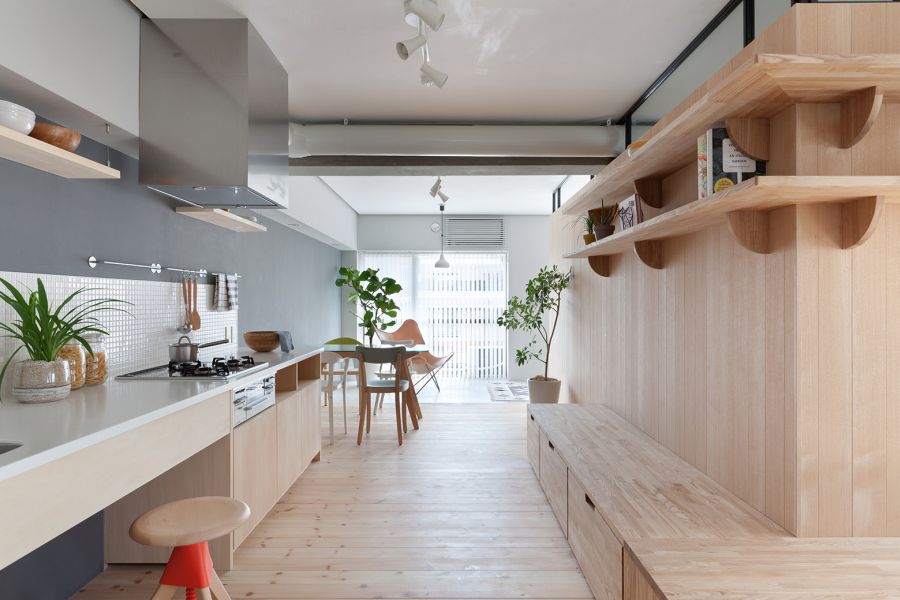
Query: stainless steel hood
x: 213, y: 114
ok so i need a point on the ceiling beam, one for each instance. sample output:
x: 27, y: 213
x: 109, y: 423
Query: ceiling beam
x: 448, y: 165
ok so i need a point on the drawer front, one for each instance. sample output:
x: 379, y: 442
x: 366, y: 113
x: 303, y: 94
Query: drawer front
x: 596, y: 548
x: 554, y: 479
x: 534, y: 444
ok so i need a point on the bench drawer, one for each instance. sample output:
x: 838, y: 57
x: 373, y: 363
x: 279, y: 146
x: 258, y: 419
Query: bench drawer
x: 554, y: 479
x: 596, y: 548
x: 534, y: 444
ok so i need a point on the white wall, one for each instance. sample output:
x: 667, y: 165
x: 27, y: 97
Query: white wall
x: 527, y: 242
x: 83, y: 53
x: 317, y: 211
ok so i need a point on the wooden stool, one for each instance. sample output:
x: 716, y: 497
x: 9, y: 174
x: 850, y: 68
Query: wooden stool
x: 188, y: 525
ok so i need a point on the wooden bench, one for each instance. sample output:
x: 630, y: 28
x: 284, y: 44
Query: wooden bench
x: 610, y: 484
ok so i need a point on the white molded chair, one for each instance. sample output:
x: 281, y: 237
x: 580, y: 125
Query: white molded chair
x: 334, y: 364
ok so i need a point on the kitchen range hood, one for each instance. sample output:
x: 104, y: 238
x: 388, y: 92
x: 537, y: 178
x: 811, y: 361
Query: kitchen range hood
x: 213, y: 114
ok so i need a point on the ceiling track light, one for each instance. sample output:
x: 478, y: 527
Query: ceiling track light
x: 407, y: 47
x: 427, y: 11
x: 444, y: 197
x: 431, y: 76
x: 435, y: 188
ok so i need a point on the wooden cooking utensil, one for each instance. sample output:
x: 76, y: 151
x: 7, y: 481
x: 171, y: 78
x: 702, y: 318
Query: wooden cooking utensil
x: 195, y: 314
x: 185, y: 294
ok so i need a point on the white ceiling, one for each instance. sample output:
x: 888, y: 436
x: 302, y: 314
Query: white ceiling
x: 500, y: 195
x: 508, y: 60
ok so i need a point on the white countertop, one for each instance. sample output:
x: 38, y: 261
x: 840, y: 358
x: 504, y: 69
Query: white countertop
x: 95, y: 413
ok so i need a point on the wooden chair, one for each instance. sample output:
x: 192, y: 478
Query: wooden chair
x: 334, y: 364
x: 189, y: 525
x: 423, y: 363
x: 380, y: 356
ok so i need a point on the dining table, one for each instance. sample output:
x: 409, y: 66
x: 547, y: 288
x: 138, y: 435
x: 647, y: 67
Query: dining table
x: 410, y: 396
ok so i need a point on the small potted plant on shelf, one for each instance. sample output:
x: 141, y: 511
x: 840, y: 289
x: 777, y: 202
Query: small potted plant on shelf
x: 43, y: 331
x: 587, y: 223
x: 604, y: 220
x: 373, y: 296
x: 542, y: 299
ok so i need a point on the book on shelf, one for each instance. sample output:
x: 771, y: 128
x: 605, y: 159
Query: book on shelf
x: 721, y: 165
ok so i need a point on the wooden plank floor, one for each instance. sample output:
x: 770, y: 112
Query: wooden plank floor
x: 456, y: 512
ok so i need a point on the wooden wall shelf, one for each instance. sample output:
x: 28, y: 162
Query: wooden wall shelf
x: 745, y: 207
x: 42, y: 156
x: 747, y: 97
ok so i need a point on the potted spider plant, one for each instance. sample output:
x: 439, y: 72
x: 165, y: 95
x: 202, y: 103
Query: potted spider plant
x: 587, y: 224
x: 604, y: 220
x: 42, y: 331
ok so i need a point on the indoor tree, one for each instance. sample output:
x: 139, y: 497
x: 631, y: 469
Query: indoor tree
x: 542, y: 299
x: 373, y: 296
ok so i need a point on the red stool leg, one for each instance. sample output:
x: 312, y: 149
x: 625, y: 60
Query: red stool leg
x: 188, y: 567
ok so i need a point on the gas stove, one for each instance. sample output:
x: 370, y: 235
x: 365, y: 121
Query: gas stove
x: 220, y: 369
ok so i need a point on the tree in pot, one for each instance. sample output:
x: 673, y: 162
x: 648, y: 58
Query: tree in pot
x: 373, y: 295
x: 542, y: 299
x: 43, y: 331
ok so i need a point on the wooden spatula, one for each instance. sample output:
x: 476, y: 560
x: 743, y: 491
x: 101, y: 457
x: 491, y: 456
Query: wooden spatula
x: 195, y: 314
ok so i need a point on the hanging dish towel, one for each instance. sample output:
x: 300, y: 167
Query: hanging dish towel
x: 226, y: 292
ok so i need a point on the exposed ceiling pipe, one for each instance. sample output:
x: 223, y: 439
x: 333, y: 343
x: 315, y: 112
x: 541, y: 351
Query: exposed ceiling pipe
x: 456, y: 140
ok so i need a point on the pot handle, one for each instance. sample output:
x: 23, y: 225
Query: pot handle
x: 184, y: 337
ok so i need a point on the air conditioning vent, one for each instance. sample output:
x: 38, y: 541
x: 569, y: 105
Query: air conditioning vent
x: 474, y: 232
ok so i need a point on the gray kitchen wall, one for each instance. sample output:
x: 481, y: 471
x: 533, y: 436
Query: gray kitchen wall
x: 52, y: 225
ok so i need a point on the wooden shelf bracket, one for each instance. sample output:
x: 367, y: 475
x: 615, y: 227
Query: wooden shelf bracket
x: 859, y: 218
x: 650, y: 191
x: 599, y: 265
x: 751, y: 229
x: 750, y: 135
x: 650, y: 252
x: 859, y: 111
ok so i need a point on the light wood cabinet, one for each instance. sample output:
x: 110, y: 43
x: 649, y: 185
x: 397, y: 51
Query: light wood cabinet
x: 310, y: 422
x: 553, y: 477
x: 534, y: 443
x: 288, y: 412
x: 255, y: 472
x: 596, y: 548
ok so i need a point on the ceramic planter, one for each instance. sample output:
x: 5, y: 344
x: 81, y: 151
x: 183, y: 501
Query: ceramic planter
x: 41, y: 381
x: 544, y: 391
x: 602, y: 231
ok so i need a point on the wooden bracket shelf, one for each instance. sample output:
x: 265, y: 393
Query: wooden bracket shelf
x: 745, y: 208
x: 34, y: 153
x: 745, y: 99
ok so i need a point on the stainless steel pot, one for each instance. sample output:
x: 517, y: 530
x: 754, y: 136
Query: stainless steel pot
x: 188, y: 351
x: 182, y: 351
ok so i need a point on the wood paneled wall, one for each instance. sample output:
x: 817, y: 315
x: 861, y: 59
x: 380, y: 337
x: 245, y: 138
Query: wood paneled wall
x: 777, y: 375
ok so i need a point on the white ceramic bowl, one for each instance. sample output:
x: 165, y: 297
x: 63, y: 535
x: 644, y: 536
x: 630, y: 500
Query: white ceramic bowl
x: 16, y: 117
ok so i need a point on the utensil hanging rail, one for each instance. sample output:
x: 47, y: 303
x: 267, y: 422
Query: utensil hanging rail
x: 155, y: 268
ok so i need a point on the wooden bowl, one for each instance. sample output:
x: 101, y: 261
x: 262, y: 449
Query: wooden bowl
x: 61, y: 137
x: 262, y: 341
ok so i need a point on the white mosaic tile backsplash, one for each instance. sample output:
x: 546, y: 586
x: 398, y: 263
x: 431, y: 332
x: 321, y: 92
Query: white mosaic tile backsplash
x: 141, y: 339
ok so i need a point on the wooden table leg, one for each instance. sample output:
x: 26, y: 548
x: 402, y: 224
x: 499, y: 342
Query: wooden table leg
x: 410, y: 396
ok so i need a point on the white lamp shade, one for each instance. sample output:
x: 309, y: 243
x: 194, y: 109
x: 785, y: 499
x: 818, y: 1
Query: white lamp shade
x: 435, y: 188
x: 444, y: 197
x: 442, y: 263
x: 428, y: 11
x: 407, y: 47
x: 432, y: 75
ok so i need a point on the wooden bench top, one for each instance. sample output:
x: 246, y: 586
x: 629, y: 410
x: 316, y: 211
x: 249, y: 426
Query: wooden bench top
x: 787, y: 569
x: 642, y: 489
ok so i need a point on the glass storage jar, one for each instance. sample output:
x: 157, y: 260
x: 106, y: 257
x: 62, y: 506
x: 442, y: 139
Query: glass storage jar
x: 74, y: 353
x: 95, y: 370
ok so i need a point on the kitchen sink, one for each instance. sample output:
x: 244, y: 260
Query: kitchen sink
x: 7, y: 446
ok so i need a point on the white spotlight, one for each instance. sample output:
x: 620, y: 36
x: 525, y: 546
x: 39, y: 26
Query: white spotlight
x: 407, y: 47
x: 444, y: 197
x: 435, y: 188
x: 427, y: 10
x: 431, y: 76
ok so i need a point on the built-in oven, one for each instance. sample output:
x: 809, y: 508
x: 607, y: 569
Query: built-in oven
x: 253, y: 398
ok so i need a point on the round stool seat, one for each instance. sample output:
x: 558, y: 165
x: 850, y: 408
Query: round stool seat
x: 189, y: 521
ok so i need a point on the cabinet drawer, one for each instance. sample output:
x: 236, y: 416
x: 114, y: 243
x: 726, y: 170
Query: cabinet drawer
x: 553, y: 477
x: 534, y: 444
x: 596, y: 548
